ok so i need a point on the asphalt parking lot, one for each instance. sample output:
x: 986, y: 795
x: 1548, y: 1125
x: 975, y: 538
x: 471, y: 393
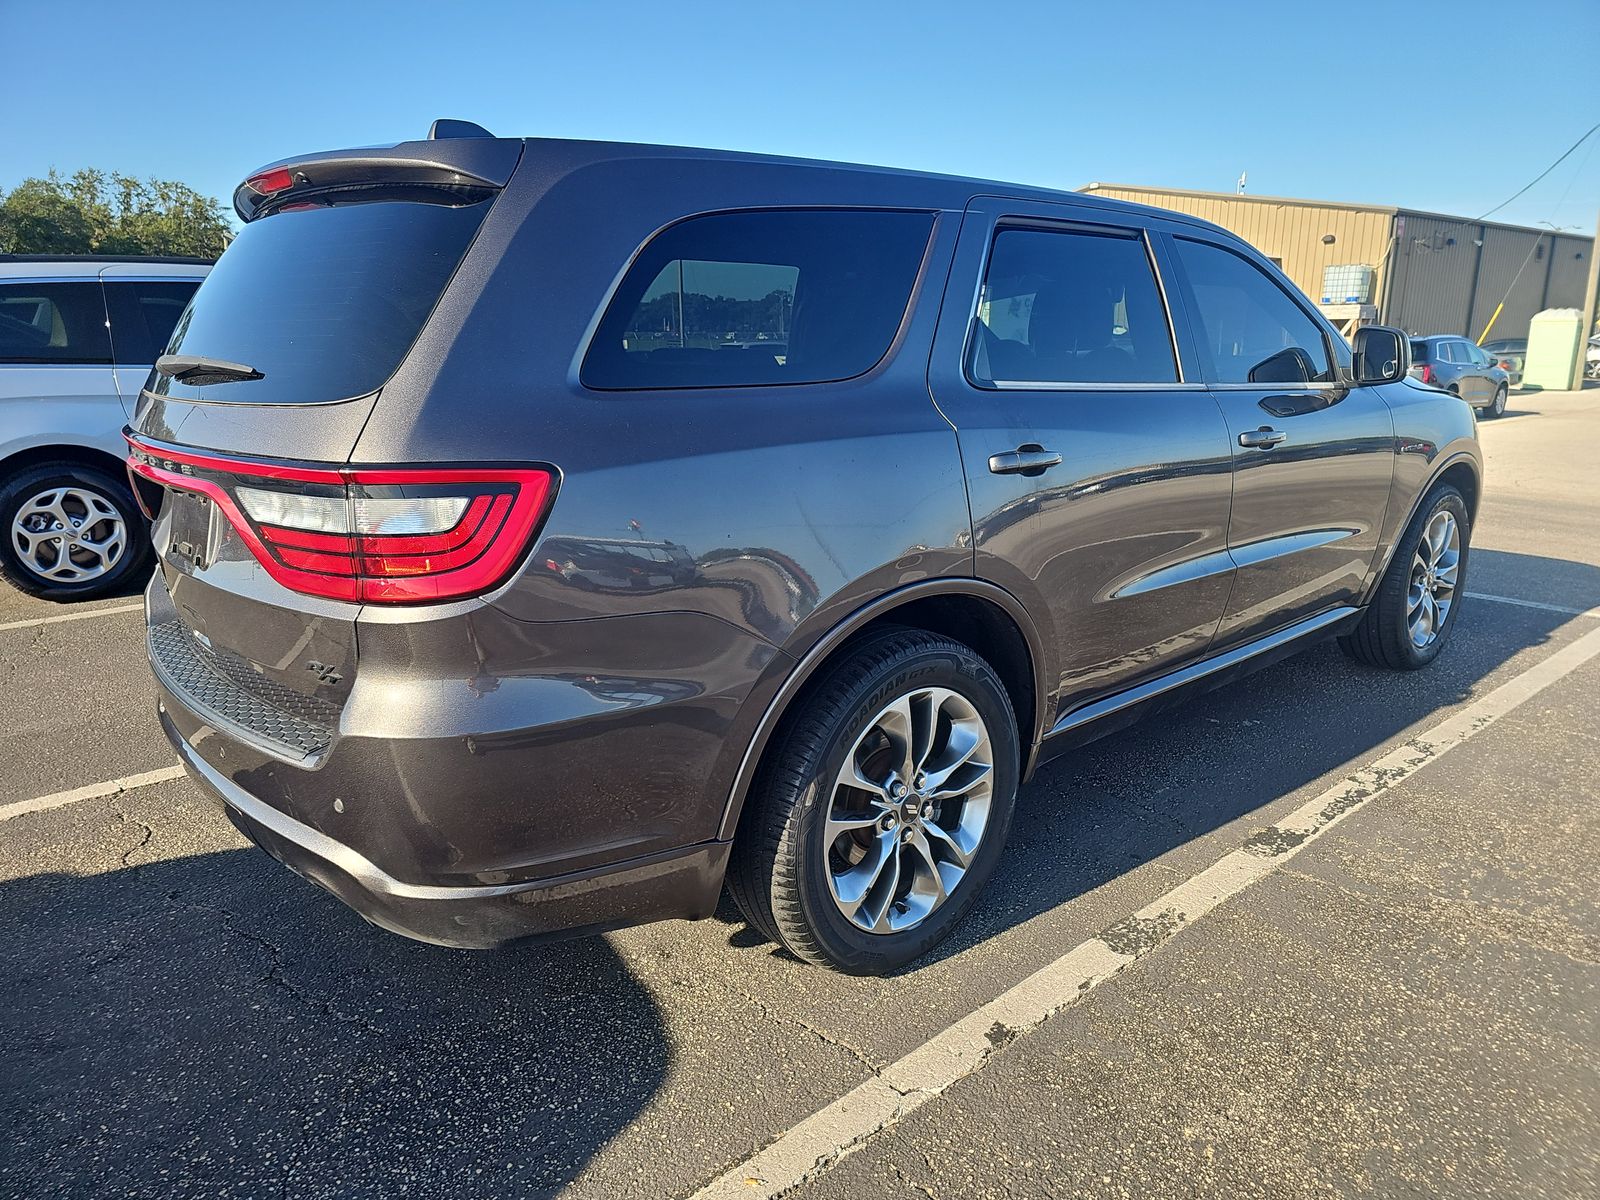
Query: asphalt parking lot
x: 1404, y: 1001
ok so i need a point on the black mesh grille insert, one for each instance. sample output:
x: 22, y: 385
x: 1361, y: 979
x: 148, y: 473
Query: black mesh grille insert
x: 226, y: 686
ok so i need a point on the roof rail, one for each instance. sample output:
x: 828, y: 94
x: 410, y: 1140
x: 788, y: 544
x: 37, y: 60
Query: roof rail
x: 447, y: 127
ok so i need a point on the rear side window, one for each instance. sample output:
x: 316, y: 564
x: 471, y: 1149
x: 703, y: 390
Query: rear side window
x: 325, y: 299
x: 769, y: 297
x: 53, y: 323
x: 1070, y: 307
x: 1253, y: 331
x: 143, y: 316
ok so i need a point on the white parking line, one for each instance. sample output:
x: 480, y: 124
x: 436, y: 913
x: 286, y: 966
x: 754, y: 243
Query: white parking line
x: 1555, y: 608
x: 77, y: 615
x: 844, y: 1126
x: 94, y: 791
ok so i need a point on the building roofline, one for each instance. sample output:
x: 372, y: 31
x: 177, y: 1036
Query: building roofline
x: 1379, y: 209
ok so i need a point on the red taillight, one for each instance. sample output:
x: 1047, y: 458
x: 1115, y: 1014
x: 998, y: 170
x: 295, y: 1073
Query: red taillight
x: 376, y: 535
x: 279, y: 179
x: 1427, y: 373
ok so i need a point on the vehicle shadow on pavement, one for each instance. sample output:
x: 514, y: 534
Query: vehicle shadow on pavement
x: 198, y: 1021
x: 1150, y: 792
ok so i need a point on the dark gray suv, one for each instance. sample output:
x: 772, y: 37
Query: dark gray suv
x: 1462, y: 368
x: 552, y: 532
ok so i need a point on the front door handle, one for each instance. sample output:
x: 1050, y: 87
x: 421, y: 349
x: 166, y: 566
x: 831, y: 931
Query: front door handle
x: 1264, y: 438
x: 1027, y: 459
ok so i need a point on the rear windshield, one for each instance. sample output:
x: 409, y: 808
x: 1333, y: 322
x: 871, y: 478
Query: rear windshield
x: 1419, y: 352
x: 325, y: 301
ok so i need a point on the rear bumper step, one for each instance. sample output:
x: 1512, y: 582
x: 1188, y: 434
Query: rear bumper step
x: 207, y: 688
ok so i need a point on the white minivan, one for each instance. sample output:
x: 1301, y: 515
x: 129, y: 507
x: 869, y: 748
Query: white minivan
x: 78, y: 336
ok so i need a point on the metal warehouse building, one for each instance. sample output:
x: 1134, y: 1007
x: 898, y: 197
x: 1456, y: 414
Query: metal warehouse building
x: 1428, y: 273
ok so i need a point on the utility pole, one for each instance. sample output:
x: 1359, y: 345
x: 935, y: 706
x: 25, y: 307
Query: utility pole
x: 1591, y: 309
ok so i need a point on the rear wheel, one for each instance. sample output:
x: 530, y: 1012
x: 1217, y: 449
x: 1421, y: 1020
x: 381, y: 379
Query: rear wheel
x: 882, y: 806
x: 1410, y: 618
x: 69, y: 531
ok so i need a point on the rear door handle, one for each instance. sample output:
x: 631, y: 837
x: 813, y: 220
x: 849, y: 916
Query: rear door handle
x: 1264, y: 438
x: 1028, y: 459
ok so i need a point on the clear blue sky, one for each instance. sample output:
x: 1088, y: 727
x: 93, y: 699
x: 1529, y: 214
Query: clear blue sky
x: 1059, y: 94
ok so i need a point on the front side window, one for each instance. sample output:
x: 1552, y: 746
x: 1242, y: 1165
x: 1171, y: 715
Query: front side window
x: 53, y: 323
x: 1070, y: 307
x: 762, y: 297
x: 1253, y: 331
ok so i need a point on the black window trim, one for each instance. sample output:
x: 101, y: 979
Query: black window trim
x: 1095, y: 229
x: 1334, y: 364
x: 575, y: 375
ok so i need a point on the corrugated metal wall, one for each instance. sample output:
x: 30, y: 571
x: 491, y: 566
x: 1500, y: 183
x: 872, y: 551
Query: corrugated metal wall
x: 1435, y: 266
x: 1440, y: 287
x: 1569, y: 272
x: 1290, y: 231
x: 1438, y: 279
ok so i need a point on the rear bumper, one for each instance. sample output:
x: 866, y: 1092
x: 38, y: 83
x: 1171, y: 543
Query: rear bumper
x: 678, y: 883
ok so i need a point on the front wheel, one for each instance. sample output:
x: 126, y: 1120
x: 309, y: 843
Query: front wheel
x: 69, y: 531
x: 1406, y: 625
x: 1497, y: 406
x: 882, y: 805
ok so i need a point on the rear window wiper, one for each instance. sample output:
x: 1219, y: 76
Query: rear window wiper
x: 198, y: 369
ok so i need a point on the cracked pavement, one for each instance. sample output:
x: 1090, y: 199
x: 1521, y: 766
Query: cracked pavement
x: 1409, y: 1007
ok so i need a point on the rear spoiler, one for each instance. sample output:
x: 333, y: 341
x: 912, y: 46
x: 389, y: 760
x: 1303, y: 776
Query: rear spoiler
x: 454, y: 161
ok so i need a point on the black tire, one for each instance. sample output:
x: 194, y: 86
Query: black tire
x: 1382, y: 638
x: 778, y: 871
x: 18, y: 489
x: 1497, y: 407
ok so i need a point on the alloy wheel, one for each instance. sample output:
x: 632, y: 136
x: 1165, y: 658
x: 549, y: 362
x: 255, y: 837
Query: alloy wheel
x: 1434, y: 570
x: 909, y: 810
x: 68, y: 535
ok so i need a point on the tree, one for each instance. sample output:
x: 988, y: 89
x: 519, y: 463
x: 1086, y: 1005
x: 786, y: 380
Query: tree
x: 93, y: 212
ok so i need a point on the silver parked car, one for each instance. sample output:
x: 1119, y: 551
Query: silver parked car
x: 77, y: 340
x: 1456, y: 365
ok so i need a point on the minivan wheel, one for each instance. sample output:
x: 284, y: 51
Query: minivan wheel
x: 1498, y: 407
x: 1409, y: 619
x: 882, y: 805
x: 69, y: 531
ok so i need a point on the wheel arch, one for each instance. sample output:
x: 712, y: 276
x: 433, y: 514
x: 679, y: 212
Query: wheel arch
x: 1460, y: 471
x: 33, y: 456
x: 972, y: 611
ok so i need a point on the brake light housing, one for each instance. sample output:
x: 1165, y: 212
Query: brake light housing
x: 371, y: 535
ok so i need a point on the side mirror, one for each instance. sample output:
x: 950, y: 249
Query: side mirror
x: 1292, y: 365
x: 1381, y: 354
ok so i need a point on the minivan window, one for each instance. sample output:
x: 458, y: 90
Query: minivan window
x: 143, y: 315
x: 325, y: 299
x: 1252, y: 329
x: 53, y: 323
x: 760, y: 297
x: 1070, y: 307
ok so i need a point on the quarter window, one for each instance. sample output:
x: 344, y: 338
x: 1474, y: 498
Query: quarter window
x: 767, y: 297
x: 53, y: 323
x: 1252, y: 329
x: 1070, y: 307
